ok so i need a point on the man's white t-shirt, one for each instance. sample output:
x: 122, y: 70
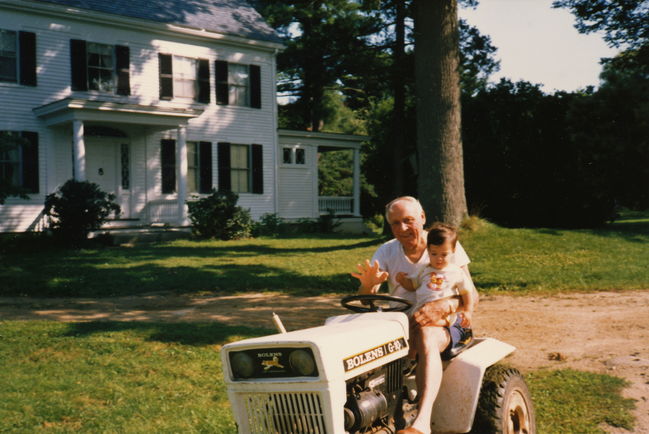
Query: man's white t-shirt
x: 393, y: 259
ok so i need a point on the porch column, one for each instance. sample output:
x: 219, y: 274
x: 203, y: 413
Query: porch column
x: 78, y: 150
x: 357, y: 182
x: 181, y: 157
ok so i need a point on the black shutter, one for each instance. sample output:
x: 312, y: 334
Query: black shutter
x: 203, y: 81
x: 255, y: 86
x: 223, y: 154
x: 166, y: 77
x: 205, y: 165
x: 30, y: 161
x: 122, y: 69
x: 168, y: 165
x: 221, y: 75
x: 78, y: 64
x: 257, y: 169
x: 27, y: 42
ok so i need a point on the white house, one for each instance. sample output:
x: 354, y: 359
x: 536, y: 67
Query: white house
x: 155, y: 101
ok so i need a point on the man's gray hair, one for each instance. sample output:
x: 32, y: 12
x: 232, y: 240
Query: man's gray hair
x: 410, y: 199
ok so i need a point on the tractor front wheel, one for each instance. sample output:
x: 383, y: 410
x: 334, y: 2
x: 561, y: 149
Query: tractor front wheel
x: 505, y: 404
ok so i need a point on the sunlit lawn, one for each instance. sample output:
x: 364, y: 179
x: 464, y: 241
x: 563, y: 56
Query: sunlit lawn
x: 143, y: 377
x: 153, y: 377
x: 504, y: 260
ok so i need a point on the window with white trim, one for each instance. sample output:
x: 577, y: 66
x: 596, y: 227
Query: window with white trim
x: 240, y: 168
x: 101, y: 67
x: 293, y: 155
x: 184, y: 77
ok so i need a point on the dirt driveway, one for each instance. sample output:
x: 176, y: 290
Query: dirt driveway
x: 602, y: 332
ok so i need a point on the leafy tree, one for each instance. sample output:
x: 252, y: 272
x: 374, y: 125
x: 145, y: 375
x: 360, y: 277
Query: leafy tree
x: 327, y: 46
x: 530, y: 160
x: 624, y: 22
x: 439, y: 141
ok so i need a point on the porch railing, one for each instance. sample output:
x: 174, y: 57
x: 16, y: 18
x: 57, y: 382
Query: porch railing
x: 337, y: 204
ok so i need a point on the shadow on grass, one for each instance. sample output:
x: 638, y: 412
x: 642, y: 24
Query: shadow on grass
x: 89, y: 281
x: 197, y: 334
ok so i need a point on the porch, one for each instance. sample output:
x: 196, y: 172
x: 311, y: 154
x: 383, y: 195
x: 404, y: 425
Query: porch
x: 300, y: 155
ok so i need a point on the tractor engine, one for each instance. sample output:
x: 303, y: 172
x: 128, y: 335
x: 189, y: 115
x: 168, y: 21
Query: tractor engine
x: 374, y: 397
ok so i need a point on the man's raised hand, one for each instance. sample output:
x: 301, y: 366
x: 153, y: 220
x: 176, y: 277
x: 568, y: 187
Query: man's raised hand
x: 370, y: 276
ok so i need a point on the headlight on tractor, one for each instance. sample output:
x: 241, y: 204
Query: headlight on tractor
x: 273, y: 363
x: 243, y: 366
x: 302, y: 362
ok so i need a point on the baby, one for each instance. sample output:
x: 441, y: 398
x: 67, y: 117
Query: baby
x: 441, y: 279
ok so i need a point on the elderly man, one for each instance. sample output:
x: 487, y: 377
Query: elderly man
x: 407, y: 253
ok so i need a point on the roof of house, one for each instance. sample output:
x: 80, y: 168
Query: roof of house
x: 231, y: 17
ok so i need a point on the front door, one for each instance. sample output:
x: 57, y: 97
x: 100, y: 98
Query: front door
x: 107, y: 164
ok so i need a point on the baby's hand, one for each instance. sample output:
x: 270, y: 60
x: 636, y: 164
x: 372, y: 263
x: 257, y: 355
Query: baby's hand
x: 403, y: 280
x: 466, y: 319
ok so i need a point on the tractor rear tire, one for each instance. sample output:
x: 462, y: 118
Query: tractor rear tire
x: 505, y: 405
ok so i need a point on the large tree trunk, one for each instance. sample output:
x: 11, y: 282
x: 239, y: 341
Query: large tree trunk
x: 440, y: 180
x: 399, y: 110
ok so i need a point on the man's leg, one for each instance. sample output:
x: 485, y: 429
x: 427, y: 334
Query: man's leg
x: 430, y: 341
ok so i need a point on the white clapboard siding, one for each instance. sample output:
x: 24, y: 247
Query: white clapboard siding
x: 217, y: 123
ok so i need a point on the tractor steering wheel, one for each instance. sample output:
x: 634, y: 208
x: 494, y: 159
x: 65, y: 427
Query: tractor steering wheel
x: 369, y: 300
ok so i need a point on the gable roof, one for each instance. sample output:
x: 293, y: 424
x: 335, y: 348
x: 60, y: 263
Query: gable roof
x: 231, y: 17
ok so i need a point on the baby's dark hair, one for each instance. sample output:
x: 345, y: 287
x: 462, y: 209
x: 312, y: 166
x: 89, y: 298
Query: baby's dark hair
x: 439, y: 233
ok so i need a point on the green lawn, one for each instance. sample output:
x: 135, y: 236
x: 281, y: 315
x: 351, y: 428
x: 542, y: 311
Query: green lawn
x: 145, y: 377
x: 504, y: 260
x: 154, y: 377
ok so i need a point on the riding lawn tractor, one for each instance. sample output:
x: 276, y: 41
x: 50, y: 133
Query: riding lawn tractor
x: 351, y: 375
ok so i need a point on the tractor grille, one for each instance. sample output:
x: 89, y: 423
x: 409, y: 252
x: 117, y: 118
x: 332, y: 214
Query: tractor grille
x: 284, y: 413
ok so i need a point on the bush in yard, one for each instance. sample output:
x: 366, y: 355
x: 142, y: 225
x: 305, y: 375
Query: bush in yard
x: 269, y: 224
x: 218, y: 216
x: 77, y: 208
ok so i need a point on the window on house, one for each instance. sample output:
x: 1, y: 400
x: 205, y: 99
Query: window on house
x: 19, y: 160
x: 168, y: 165
x: 240, y: 168
x: 287, y: 155
x: 18, y: 57
x: 125, y: 161
x: 199, y: 166
x: 184, y: 77
x: 300, y: 156
x: 8, y: 56
x: 100, y: 67
x: 238, y: 84
x: 294, y: 155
